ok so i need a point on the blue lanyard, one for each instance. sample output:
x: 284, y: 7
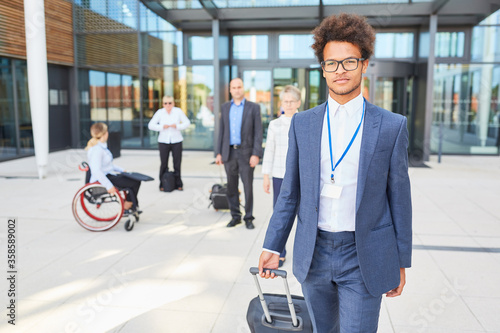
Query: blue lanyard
x: 350, y: 143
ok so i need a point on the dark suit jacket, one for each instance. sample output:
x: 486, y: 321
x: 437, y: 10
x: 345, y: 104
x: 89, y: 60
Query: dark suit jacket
x: 251, y: 131
x: 383, y: 201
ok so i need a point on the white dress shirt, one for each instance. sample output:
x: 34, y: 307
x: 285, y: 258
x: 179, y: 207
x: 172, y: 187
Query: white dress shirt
x: 274, y: 161
x: 162, y: 117
x: 340, y: 214
x: 101, y: 163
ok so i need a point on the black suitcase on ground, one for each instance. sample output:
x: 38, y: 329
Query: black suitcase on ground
x: 218, y: 197
x: 168, y: 181
x: 277, y: 313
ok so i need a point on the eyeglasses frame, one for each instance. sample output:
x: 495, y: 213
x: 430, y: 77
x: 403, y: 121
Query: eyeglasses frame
x: 342, y: 62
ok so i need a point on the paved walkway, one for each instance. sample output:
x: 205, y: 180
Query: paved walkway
x: 182, y: 270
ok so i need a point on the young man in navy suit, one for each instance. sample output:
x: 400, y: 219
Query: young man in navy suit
x: 347, y: 183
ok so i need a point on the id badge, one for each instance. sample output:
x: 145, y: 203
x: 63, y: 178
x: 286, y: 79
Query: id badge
x: 331, y: 191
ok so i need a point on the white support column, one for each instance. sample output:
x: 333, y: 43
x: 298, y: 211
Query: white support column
x: 38, y: 82
x: 429, y: 98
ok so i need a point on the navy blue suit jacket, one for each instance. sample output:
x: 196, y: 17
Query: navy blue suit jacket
x: 383, y: 201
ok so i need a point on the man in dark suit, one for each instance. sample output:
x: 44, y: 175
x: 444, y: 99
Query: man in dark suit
x: 239, y: 148
x: 347, y: 182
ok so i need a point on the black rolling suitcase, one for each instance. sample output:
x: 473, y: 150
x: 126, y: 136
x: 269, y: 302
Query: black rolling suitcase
x: 277, y: 313
x: 218, y: 197
x: 168, y: 181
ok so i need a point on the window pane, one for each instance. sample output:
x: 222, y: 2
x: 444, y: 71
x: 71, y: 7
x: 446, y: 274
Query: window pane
x: 450, y: 44
x: 7, y: 124
x: 486, y: 44
x: 296, y: 47
x: 24, y: 111
x: 97, y: 96
x: 250, y: 47
x: 394, y: 45
x: 200, y: 48
x: 466, y: 109
x: 162, y: 48
x: 193, y: 91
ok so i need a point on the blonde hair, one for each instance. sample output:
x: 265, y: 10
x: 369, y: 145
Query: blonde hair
x: 292, y: 90
x: 97, y: 130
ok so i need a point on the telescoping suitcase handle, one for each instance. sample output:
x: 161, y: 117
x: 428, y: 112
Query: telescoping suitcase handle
x: 255, y: 271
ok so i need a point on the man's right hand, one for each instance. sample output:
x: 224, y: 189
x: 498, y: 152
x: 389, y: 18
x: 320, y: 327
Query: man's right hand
x: 269, y: 261
x: 218, y: 159
x: 112, y: 190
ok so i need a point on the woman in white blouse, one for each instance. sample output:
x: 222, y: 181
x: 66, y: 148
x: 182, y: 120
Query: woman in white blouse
x: 170, y: 121
x: 105, y: 172
x: 274, y: 160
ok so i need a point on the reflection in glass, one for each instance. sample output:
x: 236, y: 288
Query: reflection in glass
x: 486, y: 44
x: 200, y: 48
x: 23, y: 108
x: 394, y: 45
x: 295, y: 47
x: 466, y: 109
x: 447, y: 44
x: 258, y: 90
x: 193, y: 91
x: 390, y: 94
x: 283, y: 77
x: 264, y: 3
x: 181, y: 4
x: 162, y: 48
x: 7, y: 119
x: 250, y: 47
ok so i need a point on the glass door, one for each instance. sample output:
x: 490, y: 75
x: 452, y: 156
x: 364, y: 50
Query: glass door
x: 258, y: 85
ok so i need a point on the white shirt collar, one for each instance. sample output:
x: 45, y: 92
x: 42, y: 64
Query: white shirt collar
x: 354, y: 106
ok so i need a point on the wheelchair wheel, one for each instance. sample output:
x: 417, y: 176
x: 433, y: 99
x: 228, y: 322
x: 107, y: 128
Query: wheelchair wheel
x: 95, y: 209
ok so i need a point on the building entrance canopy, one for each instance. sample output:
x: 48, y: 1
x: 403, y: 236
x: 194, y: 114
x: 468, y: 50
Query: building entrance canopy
x: 306, y: 14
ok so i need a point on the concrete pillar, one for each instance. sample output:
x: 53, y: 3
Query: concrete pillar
x: 38, y: 80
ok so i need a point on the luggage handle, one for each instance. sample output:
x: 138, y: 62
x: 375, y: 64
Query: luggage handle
x: 283, y: 274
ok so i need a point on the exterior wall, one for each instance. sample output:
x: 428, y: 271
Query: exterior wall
x: 59, y: 30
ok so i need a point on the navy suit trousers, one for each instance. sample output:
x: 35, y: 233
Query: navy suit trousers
x: 335, y: 293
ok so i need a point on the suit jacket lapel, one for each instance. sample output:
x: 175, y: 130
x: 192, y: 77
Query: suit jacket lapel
x: 315, y: 133
x: 371, y: 127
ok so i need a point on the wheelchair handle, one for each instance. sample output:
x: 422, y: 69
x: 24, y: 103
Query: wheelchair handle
x: 84, y: 166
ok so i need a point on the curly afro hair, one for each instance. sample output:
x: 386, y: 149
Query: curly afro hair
x: 349, y: 28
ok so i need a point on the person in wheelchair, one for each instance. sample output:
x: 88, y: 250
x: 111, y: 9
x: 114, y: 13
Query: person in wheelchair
x: 103, y: 170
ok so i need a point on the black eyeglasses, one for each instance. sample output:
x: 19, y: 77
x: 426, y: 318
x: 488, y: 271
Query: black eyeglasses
x: 349, y: 64
x: 168, y: 102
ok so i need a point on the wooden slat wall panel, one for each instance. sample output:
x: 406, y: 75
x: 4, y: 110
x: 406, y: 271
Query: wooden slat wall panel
x: 58, y: 28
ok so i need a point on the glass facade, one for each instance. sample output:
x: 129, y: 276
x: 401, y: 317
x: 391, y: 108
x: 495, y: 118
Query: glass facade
x: 466, y: 114
x: 250, y: 47
x: 128, y: 57
x: 394, y: 45
x: 466, y: 109
x: 16, y: 134
x: 125, y: 72
x: 447, y: 45
x: 292, y: 47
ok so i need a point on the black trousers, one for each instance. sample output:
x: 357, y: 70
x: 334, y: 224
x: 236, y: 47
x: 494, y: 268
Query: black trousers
x: 176, y: 149
x: 122, y: 182
x: 239, y: 165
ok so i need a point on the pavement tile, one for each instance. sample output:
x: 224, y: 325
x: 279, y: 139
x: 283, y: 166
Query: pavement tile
x: 181, y: 270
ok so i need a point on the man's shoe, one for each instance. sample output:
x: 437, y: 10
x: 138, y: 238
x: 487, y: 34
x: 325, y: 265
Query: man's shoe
x: 233, y: 222
x: 249, y: 224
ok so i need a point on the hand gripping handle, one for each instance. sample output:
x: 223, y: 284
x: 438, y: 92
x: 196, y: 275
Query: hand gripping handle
x: 255, y: 271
